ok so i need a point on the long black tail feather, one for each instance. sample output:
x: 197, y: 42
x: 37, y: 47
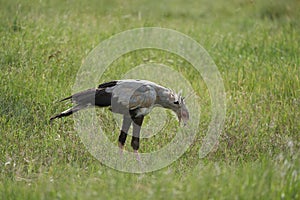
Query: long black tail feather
x: 91, y: 97
x: 68, y: 112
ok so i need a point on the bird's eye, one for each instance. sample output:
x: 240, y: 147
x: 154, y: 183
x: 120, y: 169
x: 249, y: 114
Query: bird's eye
x: 176, y: 102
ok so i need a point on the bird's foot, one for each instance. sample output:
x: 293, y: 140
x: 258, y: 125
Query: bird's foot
x: 121, y: 148
x: 137, y: 155
x: 138, y: 158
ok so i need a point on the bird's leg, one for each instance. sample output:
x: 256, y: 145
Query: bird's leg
x: 123, y: 134
x: 135, y: 142
x: 122, y: 139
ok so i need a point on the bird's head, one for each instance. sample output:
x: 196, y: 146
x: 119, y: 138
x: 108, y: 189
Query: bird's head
x: 180, y: 108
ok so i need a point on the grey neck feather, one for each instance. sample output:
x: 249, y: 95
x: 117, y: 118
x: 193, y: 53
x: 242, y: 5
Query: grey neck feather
x: 163, y: 98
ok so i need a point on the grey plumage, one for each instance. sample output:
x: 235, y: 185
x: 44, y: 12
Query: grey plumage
x: 133, y: 99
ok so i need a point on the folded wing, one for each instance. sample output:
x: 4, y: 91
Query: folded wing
x: 128, y: 96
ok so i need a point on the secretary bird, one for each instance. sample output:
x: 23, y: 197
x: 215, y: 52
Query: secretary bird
x: 134, y: 99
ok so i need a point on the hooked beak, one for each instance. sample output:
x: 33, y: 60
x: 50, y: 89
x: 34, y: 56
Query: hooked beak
x: 183, y: 116
x: 184, y: 122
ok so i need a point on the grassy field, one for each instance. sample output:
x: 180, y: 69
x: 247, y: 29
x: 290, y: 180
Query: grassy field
x: 256, y: 46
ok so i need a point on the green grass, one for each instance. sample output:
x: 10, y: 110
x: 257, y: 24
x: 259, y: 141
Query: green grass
x: 255, y: 45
